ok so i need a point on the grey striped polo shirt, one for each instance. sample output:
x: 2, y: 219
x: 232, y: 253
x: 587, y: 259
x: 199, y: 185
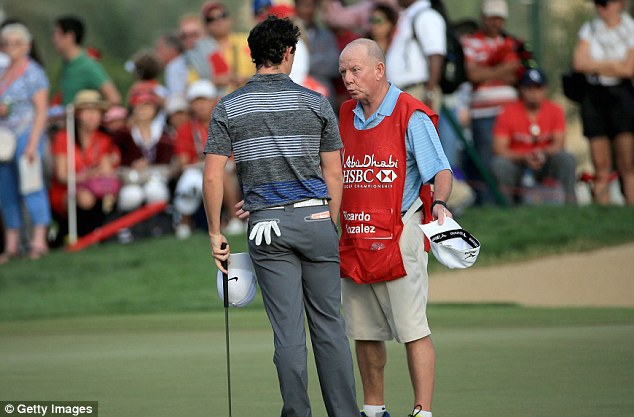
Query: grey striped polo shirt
x: 276, y: 130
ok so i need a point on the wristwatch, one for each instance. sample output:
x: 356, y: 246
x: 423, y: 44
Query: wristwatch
x: 442, y: 203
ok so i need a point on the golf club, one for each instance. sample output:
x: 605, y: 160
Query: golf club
x: 225, y: 292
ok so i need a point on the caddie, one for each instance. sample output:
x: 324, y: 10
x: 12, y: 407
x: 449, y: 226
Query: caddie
x: 392, y: 151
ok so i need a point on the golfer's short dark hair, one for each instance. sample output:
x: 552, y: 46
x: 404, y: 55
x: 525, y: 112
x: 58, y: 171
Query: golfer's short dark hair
x: 72, y: 24
x: 269, y: 39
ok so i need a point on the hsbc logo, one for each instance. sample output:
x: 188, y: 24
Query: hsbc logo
x: 386, y: 175
x: 369, y: 178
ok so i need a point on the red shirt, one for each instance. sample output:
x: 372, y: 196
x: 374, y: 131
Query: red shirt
x: 489, y: 52
x: 514, y: 123
x: 490, y: 95
x: 190, y: 141
x: 100, y: 145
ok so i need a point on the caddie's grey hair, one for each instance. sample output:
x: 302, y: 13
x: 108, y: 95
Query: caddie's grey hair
x: 17, y: 29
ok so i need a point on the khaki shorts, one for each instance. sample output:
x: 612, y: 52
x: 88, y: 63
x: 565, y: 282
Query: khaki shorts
x: 392, y: 309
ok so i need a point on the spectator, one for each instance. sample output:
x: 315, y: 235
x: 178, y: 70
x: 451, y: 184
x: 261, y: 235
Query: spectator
x: 146, y: 152
x: 605, y: 53
x: 301, y: 63
x: 23, y: 112
x: 383, y: 20
x: 415, y: 58
x: 491, y: 64
x: 197, y: 47
x: 96, y: 159
x: 34, y: 52
x: 145, y: 143
x: 147, y: 69
x: 177, y: 111
x: 354, y: 17
x: 79, y: 71
x: 457, y: 104
x: 190, y: 137
x: 188, y: 148
x: 169, y: 52
x: 529, y: 134
x: 115, y: 119
x: 230, y: 62
x: 320, y: 40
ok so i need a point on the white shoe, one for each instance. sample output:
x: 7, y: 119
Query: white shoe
x: 235, y: 227
x: 183, y: 232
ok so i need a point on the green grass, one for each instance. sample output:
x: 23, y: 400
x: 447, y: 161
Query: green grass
x: 164, y: 274
x: 492, y: 360
x: 140, y: 329
x: 533, y: 231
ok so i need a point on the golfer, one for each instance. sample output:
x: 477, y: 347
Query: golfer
x: 286, y: 144
x: 391, y: 150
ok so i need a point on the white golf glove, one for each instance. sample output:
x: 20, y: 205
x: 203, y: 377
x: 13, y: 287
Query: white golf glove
x: 264, y: 228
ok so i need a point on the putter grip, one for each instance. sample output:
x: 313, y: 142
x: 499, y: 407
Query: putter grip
x: 225, y: 279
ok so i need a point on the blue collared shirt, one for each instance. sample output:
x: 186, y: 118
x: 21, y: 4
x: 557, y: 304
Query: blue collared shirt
x: 425, y: 155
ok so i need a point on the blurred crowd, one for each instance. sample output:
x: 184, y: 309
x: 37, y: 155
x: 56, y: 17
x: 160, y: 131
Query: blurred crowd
x: 75, y: 160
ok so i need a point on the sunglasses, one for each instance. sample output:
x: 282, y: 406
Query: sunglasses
x: 211, y: 19
x: 376, y: 20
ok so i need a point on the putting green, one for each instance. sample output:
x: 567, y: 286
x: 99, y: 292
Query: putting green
x: 491, y: 361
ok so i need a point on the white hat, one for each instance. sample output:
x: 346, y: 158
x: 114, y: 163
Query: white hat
x: 241, y: 280
x: 495, y: 8
x: 452, y: 246
x: 156, y: 190
x: 176, y: 103
x: 189, y: 191
x: 130, y: 197
x: 201, y: 89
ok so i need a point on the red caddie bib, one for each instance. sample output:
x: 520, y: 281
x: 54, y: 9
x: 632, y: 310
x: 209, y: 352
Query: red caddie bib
x: 374, y: 168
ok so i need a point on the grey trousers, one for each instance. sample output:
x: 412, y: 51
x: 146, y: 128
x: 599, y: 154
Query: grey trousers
x: 298, y: 274
x: 560, y: 167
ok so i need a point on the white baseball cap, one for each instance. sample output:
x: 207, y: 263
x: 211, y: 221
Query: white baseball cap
x: 241, y: 280
x: 495, y: 8
x: 452, y: 246
x: 176, y: 103
x: 156, y: 190
x: 201, y: 89
x: 130, y: 197
x: 189, y: 191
